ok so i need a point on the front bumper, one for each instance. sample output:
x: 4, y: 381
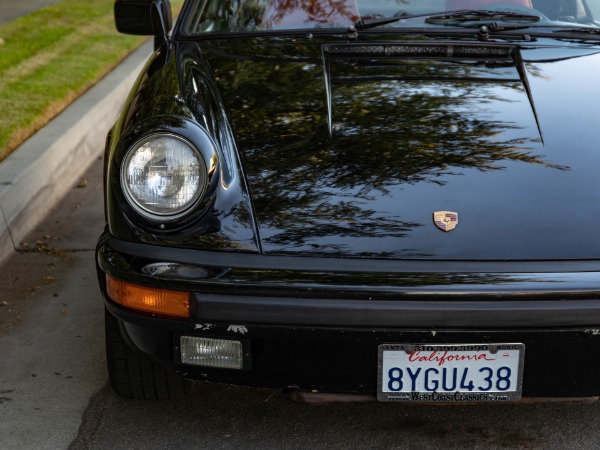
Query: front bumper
x: 318, y: 330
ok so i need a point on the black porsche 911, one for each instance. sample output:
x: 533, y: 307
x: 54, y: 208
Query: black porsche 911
x: 398, y: 199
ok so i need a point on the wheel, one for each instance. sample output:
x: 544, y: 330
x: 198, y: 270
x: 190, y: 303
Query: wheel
x: 133, y: 375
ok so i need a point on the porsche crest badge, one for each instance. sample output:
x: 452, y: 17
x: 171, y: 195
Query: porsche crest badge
x: 445, y: 220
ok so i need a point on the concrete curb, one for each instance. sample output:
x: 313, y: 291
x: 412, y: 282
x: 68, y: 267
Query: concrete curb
x: 41, y: 171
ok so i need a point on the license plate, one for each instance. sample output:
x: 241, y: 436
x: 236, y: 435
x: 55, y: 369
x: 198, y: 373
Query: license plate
x: 450, y: 373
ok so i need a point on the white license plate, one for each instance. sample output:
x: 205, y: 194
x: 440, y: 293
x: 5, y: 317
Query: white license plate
x: 450, y: 373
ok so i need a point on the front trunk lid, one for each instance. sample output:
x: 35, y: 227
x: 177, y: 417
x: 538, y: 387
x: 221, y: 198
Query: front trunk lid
x: 350, y: 150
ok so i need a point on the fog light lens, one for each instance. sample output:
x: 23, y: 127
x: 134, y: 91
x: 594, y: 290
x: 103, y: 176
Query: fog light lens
x: 220, y: 353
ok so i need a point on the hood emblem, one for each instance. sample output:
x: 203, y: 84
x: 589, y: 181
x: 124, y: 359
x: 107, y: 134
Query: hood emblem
x: 445, y: 220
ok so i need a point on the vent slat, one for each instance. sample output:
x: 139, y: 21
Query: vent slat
x: 420, y: 50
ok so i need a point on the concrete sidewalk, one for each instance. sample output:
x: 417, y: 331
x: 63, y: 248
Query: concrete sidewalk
x: 39, y: 173
x: 11, y: 9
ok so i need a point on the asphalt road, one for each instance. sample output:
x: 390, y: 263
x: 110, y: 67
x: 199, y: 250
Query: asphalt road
x: 54, y: 392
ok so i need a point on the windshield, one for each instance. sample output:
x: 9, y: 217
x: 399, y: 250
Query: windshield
x: 261, y: 15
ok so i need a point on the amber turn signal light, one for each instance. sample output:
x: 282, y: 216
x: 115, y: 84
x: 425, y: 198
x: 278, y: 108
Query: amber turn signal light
x: 157, y: 301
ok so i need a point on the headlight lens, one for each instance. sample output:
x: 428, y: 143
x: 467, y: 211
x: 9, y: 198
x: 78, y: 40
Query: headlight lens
x: 163, y: 175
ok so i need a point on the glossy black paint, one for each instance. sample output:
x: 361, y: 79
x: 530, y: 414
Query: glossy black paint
x: 327, y: 161
x: 223, y: 219
x: 400, y: 137
x: 410, y: 136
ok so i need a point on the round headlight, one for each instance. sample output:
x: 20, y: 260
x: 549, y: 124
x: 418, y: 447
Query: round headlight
x: 163, y: 175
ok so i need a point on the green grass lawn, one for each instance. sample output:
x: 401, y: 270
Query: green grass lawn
x: 50, y: 57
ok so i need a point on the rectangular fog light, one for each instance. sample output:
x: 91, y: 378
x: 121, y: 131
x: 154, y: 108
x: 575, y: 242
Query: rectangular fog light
x: 220, y: 353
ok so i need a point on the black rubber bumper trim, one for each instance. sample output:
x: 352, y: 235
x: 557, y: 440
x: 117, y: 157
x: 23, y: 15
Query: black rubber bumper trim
x: 405, y: 314
x: 500, y: 310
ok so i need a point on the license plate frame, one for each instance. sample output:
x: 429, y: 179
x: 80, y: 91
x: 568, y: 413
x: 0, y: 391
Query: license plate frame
x: 459, y: 356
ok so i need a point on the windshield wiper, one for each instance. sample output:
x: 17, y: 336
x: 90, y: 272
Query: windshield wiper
x: 479, y: 15
x: 364, y: 24
x: 444, y: 17
x: 586, y: 30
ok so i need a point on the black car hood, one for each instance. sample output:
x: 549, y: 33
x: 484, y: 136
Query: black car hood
x: 349, y: 151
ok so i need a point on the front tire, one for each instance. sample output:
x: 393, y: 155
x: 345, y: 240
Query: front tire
x: 135, y: 376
